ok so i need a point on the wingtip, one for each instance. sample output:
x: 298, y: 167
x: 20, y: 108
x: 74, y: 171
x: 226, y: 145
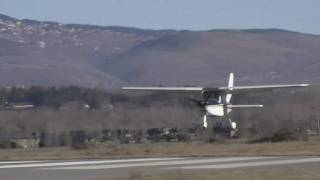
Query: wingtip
x: 305, y: 85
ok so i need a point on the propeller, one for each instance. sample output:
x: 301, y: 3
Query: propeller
x: 200, y: 103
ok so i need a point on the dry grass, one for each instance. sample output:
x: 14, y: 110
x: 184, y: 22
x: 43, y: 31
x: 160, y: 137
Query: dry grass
x: 228, y: 148
x: 286, y: 173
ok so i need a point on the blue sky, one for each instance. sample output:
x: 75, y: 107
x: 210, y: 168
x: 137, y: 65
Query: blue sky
x: 296, y: 15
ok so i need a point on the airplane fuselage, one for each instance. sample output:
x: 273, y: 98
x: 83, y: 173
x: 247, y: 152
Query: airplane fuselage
x: 219, y: 110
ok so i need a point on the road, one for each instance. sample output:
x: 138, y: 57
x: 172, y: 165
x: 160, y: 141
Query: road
x: 95, y: 169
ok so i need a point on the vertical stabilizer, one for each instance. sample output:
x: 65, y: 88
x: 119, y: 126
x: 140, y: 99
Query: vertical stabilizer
x: 231, y: 81
x: 230, y: 86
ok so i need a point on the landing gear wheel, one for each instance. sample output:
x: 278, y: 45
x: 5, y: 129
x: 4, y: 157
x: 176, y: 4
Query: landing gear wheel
x: 205, y: 122
x: 234, y: 130
x: 233, y: 124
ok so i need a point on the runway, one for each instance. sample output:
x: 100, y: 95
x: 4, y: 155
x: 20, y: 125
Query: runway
x: 95, y: 169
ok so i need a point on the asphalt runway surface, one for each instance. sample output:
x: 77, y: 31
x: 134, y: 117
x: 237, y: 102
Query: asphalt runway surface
x: 97, y: 169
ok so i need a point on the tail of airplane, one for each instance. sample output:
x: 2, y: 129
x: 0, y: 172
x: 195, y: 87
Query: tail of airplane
x: 230, y: 86
x: 230, y: 106
x: 231, y: 80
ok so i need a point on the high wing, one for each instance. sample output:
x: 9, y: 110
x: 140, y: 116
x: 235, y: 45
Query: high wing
x: 235, y: 89
x: 230, y: 89
x: 244, y: 89
x: 175, y: 89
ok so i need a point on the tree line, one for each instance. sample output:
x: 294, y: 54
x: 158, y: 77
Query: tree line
x: 52, y: 96
x: 58, y: 111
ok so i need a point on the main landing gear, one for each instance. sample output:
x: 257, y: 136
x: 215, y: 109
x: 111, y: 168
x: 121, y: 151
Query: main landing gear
x: 233, y: 124
x: 205, y: 122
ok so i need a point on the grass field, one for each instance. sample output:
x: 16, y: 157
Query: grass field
x: 225, y: 148
x: 307, y: 172
x: 311, y: 147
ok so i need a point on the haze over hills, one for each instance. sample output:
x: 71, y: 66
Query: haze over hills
x: 49, y: 53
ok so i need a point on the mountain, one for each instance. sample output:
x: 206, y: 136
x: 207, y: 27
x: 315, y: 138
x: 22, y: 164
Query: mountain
x: 195, y: 58
x: 50, y: 53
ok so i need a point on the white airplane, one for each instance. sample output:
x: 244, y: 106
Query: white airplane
x: 217, y: 101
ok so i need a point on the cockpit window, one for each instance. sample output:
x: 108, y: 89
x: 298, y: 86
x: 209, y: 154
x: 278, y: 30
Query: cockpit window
x: 212, y: 101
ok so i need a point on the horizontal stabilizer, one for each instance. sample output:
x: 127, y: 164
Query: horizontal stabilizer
x: 244, y: 106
